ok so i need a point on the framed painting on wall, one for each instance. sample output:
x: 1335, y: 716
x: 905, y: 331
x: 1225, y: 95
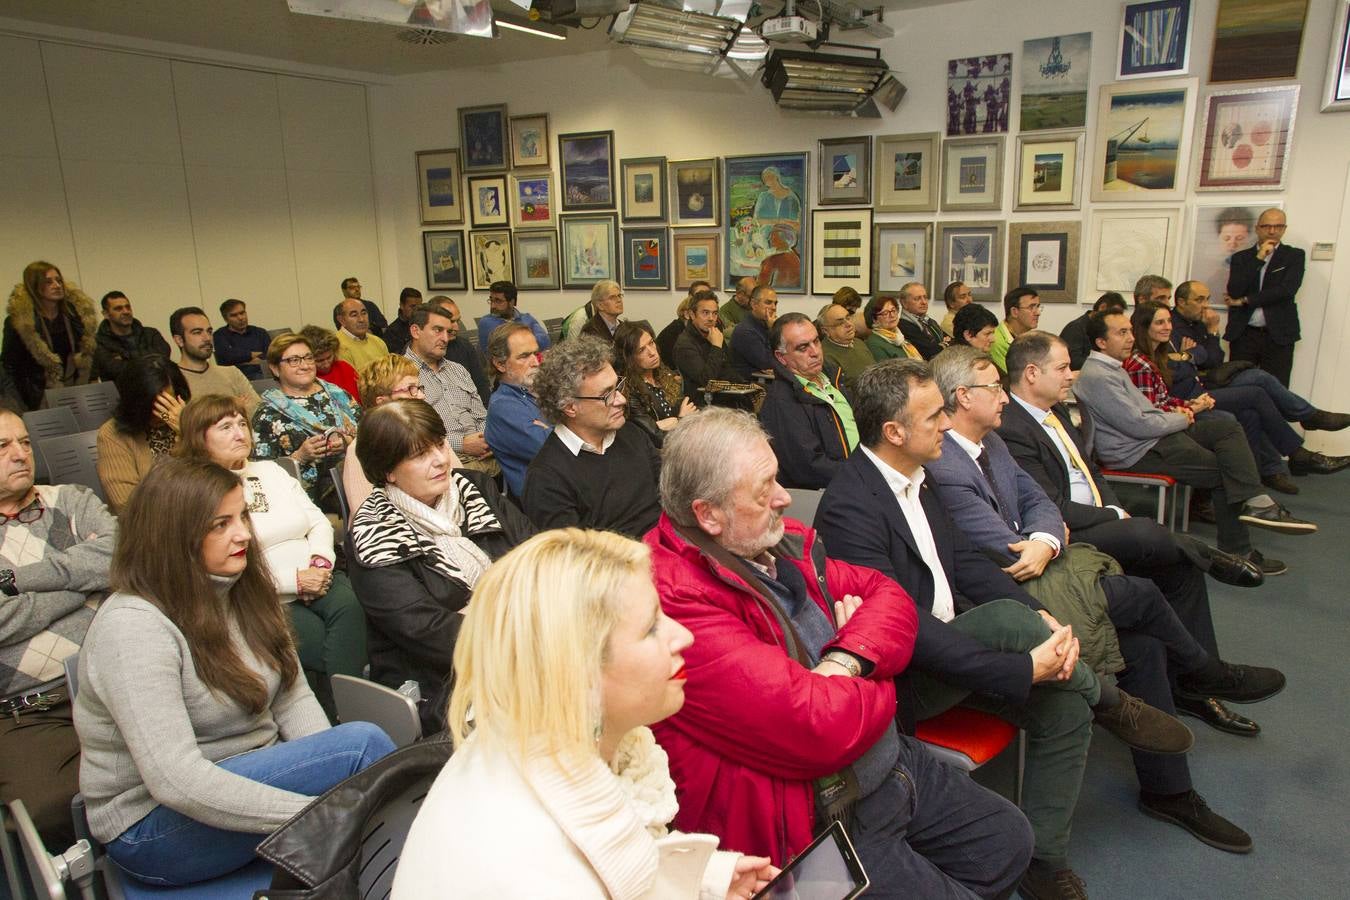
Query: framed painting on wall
x: 529, y: 141
x: 972, y: 253
x: 1124, y: 244
x: 1044, y: 256
x: 1054, y: 80
x: 1337, y: 94
x: 1049, y: 171
x: 536, y: 260
x: 491, y: 253
x: 483, y: 137
x: 1155, y: 39
x: 438, y: 187
x: 901, y: 252
x: 532, y: 199
x: 972, y: 174
x: 845, y: 174
x: 487, y: 201
x: 1143, y: 140
x: 589, y: 249
x: 443, y: 252
x: 1245, y: 142
x: 644, y: 189
x: 693, y: 192
x: 586, y: 161
x: 646, y: 259
x: 1256, y: 39
x: 696, y: 256
x: 1218, y: 230
x: 766, y: 219
x: 841, y: 250
x: 907, y: 169
x: 979, y: 92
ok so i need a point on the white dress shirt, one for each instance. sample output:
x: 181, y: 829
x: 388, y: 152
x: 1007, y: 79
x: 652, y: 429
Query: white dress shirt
x: 1079, y: 489
x: 573, y: 442
x: 973, y: 450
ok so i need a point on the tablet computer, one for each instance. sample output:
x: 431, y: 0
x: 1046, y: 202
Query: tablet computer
x: 828, y: 869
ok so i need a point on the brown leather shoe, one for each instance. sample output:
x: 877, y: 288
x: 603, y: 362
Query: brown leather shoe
x: 1280, y: 482
x: 1145, y: 727
x: 1044, y: 883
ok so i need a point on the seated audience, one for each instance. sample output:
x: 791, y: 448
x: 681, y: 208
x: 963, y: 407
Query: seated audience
x: 464, y: 352
x: 327, y: 366
x: 955, y: 296
x: 239, y: 343
x: 397, y: 335
x: 885, y: 340
x: 655, y: 394
x: 737, y: 308
x: 391, y: 378
x: 357, y: 344
x: 574, y: 321
x: 1022, y: 312
x: 974, y: 326
x: 121, y: 336
x: 666, y: 338
x: 1153, y: 288
x: 607, y: 301
x: 191, y: 331
x: 502, y: 309
x: 449, y: 387
x: 151, y: 392
x: 49, y: 334
x: 515, y: 429
x: 351, y: 290
x: 1074, y: 334
x: 700, y: 351
x: 750, y: 350
x: 917, y: 327
x: 841, y: 345
x: 198, y: 734
x: 852, y: 302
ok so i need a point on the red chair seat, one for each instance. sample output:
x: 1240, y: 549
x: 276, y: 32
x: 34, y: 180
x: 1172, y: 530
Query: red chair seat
x: 979, y: 735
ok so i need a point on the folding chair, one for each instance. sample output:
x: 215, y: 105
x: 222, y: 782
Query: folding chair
x: 92, y: 404
x: 968, y: 738
x: 290, y: 465
x: 359, y: 700
x: 262, y: 384
x: 47, y: 874
x: 73, y: 459
x: 335, y: 473
x: 273, y: 332
x: 45, y: 424
x: 554, y: 329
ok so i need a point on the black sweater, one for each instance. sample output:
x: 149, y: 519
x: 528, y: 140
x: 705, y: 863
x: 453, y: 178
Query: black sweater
x: 615, y: 492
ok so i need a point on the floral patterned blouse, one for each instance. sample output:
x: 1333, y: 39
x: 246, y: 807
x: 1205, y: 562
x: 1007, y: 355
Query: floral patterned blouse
x: 282, y: 423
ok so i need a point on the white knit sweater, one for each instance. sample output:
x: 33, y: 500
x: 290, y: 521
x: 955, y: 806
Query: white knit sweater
x: 290, y: 528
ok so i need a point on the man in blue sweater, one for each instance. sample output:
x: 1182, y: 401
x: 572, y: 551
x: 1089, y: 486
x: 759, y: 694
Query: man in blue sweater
x: 502, y: 309
x: 239, y: 343
x: 515, y: 428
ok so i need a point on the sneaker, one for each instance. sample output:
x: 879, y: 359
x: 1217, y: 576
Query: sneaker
x: 1234, y: 683
x: 1267, y: 565
x: 1044, y: 883
x: 1191, y: 812
x: 1280, y: 482
x: 1276, y: 518
x: 1145, y: 727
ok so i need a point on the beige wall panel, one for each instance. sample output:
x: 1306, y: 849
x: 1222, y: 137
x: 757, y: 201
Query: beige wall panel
x: 334, y: 219
x: 36, y: 226
x: 23, y: 101
x: 228, y: 117
x: 324, y: 124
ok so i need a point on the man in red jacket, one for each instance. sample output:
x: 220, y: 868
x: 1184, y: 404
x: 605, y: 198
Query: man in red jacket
x: 789, y: 714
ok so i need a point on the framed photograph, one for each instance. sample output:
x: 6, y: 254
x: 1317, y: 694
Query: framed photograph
x: 907, y: 171
x: 1124, y: 244
x: 1218, y: 230
x: 1143, y: 140
x: 841, y: 250
x: 766, y: 219
x: 1044, y: 255
x: 532, y: 201
x: 482, y: 137
x: 972, y: 252
x: 589, y: 249
x: 979, y: 92
x: 1049, y: 171
x: 1155, y: 39
x: 694, y: 192
x: 1055, y: 82
x: 972, y: 173
x: 529, y: 141
x: 845, y: 170
x: 1337, y: 94
x: 1246, y: 138
x: 587, y: 163
x: 902, y: 252
x: 438, y: 187
x: 1256, y: 39
x: 696, y: 256
x: 443, y: 252
x: 491, y: 254
x: 487, y: 201
x: 646, y: 258
x: 644, y: 189
x: 536, y: 260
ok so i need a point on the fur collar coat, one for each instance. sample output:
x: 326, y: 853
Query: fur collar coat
x: 22, y: 319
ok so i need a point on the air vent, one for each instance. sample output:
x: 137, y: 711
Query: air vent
x: 424, y: 37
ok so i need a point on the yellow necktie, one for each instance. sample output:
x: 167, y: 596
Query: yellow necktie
x: 1053, y: 421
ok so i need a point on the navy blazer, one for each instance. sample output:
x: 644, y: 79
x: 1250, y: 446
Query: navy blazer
x: 1276, y: 295
x: 925, y: 342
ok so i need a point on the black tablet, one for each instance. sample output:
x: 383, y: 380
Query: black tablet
x: 828, y: 869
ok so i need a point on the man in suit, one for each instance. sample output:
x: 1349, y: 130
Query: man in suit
x: 1263, y: 282
x: 916, y: 326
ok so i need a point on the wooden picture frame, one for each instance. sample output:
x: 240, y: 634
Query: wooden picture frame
x: 534, y: 200
x: 646, y: 259
x: 644, y: 188
x: 695, y: 192
x: 972, y: 253
x: 844, y: 170
x: 488, y: 201
x: 483, y: 137
x: 1049, y: 170
x: 590, y: 244
x: 972, y: 174
x: 440, y: 187
x: 1142, y: 145
x: 1126, y: 243
x: 841, y: 250
x: 529, y: 141
x: 1155, y: 39
x: 696, y: 256
x: 490, y: 256
x: 443, y: 255
x: 1044, y: 256
x: 907, y: 172
x: 1246, y: 139
x: 902, y: 252
x: 765, y: 196
x: 586, y: 170
x: 536, y: 260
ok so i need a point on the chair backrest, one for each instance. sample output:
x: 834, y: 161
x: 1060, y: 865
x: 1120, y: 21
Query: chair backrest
x: 262, y: 384
x: 383, y: 841
x: 92, y: 404
x: 73, y: 459
x: 273, y: 332
x: 335, y: 473
x: 290, y: 465
x: 43, y: 424
x: 358, y: 700
x: 554, y: 328
x: 43, y: 877
x: 804, y: 504
x: 11, y: 852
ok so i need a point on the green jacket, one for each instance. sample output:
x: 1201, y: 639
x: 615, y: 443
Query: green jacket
x: 1070, y: 587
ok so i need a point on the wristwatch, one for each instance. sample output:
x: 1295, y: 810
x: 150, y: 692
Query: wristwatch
x: 847, y: 660
x: 7, y: 583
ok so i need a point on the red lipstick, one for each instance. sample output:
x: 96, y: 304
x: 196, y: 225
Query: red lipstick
x: 681, y: 675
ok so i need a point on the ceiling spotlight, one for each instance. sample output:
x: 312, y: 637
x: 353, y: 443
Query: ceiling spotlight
x: 823, y: 82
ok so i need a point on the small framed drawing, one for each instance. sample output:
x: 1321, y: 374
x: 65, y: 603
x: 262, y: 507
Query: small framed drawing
x: 901, y: 252
x: 443, y: 252
x: 845, y: 174
x: 438, y: 187
x: 587, y: 163
x: 1337, y: 95
x: 487, y: 201
x: 482, y: 137
x: 693, y: 192
x: 644, y: 189
x: 696, y: 256
x: 972, y: 173
x: 1246, y: 139
x: 1044, y: 256
x: 532, y: 201
x: 646, y: 259
x: 1049, y: 170
x: 1155, y: 39
x: 536, y: 259
x: 906, y: 173
x: 972, y: 252
x: 589, y: 249
x: 841, y: 250
x: 1124, y: 244
x: 529, y: 141
x: 1143, y: 141
x: 1218, y: 230
x: 490, y: 251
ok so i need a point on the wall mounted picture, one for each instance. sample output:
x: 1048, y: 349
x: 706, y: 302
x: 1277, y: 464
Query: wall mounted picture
x: 438, y: 187
x: 1124, y: 244
x: 1217, y: 232
x: 845, y: 170
x: 529, y: 141
x: 694, y: 193
x: 901, y: 252
x: 1245, y: 142
x: 972, y: 252
x: 589, y: 249
x: 841, y: 250
x: 1143, y: 140
x: 532, y: 201
x: 490, y: 252
x: 972, y: 173
x: 646, y: 259
x: 979, y: 92
x: 1054, y: 76
x: 483, y: 137
x: 443, y: 252
x: 1044, y: 255
x: 1336, y: 97
x: 907, y: 170
x: 696, y: 256
x: 1155, y: 39
x: 1256, y: 39
x: 536, y: 260
x: 586, y: 160
x: 487, y: 201
x: 644, y: 189
x: 1049, y: 171
x: 766, y: 219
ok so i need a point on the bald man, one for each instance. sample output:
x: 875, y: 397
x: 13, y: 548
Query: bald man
x: 1263, y: 284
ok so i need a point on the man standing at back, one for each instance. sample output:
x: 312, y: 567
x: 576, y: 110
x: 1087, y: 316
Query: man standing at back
x: 1263, y: 285
x: 239, y: 343
x: 121, y: 336
x: 357, y: 345
x: 191, y: 330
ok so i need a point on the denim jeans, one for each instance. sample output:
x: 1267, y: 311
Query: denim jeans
x: 1293, y: 407
x: 168, y: 848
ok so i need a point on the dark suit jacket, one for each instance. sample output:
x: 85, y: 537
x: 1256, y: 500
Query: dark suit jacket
x: 1075, y: 336
x: 927, y: 345
x: 1276, y: 296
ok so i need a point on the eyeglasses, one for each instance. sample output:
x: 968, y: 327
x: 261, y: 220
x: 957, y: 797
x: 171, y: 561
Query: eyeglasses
x: 995, y: 386
x: 1030, y: 308
x: 887, y: 312
x: 26, y: 516
x: 412, y: 390
x: 608, y: 396
x: 296, y: 362
x: 1275, y: 227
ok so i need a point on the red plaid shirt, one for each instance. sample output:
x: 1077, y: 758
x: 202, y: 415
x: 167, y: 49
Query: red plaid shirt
x: 1148, y: 379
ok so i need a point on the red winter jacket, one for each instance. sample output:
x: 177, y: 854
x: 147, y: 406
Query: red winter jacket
x: 757, y: 728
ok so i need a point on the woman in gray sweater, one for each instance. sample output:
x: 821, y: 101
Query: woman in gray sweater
x: 199, y: 736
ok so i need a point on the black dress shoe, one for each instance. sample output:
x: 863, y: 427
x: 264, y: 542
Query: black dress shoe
x: 1267, y: 564
x: 1190, y: 811
x: 1326, y: 421
x: 1213, y: 713
x: 1229, y: 568
x: 1232, y: 682
x: 1305, y: 462
x: 1044, y: 883
x: 1276, y: 518
x: 1280, y: 482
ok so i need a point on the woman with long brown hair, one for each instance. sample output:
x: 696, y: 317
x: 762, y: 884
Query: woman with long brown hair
x: 48, y: 334
x: 656, y: 399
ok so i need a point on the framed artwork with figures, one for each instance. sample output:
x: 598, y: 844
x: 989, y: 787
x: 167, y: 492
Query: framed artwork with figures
x: 972, y: 252
x: 529, y: 141
x: 487, y: 201
x: 490, y: 251
x: 482, y: 137
x: 766, y: 219
x: 845, y: 174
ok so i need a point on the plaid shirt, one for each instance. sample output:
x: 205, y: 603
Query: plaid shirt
x: 452, y: 393
x: 1148, y: 379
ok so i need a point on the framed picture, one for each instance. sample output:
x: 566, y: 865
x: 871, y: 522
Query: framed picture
x: 1255, y: 39
x: 1124, y: 244
x: 845, y: 170
x: 766, y: 219
x: 443, y: 252
x: 696, y: 256
x: 907, y: 171
x: 587, y: 163
x: 972, y: 173
x: 589, y: 249
x: 438, y: 187
x: 1055, y: 82
x: 646, y: 258
x: 693, y: 192
x: 532, y: 201
x: 529, y: 141
x: 1218, y: 230
x: 1143, y: 140
x: 1044, y: 255
x: 1337, y: 94
x: 841, y: 250
x: 1155, y: 39
x: 487, y: 201
x: 536, y: 259
x: 491, y: 254
x: 979, y: 92
x: 644, y: 189
x: 1246, y: 138
x: 972, y: 252
x: 1049, y: 171
x: 482, y: 137
x: 902, y: 252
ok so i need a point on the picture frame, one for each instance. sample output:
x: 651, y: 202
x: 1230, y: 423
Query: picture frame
x: 694, y: 192
x: 439, y: 187
x: 644, y: 188
x: 844, y: 170
x: 902, y: 252
x: 535, y: 255
x: 646, y: 258
x: 1256, y: 40
x: 490, y: 256
x: 972, y: 173
x: 1217, y: 231
x: 908, y: 169
x: 487, y: 201
x: 1246, y: 139
x: 979, y: 93
x: 590, y: 244
x: 841, y: 250
x: 1142, y: 143
x: 586, y: 167
x: 483, y: 137
x: 1044, y: 256
x: 971, y: 252
x: 1049, y: 171
x: 1155, y: 39
x: 765, y: 197
x: 1336, y: 96
x: 533, y: 200
x: 1055, y: 73
x: 529, y: 141
x: 696, y: 256
x: 1126, y: 243
x: 443, y: 254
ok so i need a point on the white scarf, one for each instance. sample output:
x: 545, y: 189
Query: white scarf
x: 441, y: 524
